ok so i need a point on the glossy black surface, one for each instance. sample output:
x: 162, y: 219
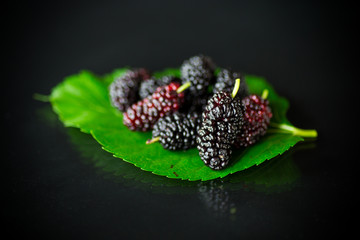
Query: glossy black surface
x: 61, y: 185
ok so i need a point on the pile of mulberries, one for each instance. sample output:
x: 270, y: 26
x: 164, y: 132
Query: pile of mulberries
x: 202, y: 106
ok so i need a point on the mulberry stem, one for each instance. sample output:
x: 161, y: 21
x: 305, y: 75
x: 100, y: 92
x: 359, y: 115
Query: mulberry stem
x: 183, y: 87
x: 236, y: 87
x: 308, y: 133
x: 150, y: 141
x: 265, y: 94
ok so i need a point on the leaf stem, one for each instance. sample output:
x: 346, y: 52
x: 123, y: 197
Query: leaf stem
x: 183, y: 87
x: 150, y: 141
x: 309, y: 133
x: 236, y: 87
x: 41, y: 97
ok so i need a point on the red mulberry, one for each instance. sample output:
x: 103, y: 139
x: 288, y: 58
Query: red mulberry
x: 257, y: 115
x: 142, y: 116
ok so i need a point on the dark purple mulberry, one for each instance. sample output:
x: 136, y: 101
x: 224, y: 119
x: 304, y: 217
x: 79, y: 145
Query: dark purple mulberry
x: 177, y: 131
x: 221, y: 124
x: 225, y: 82
x: 124, y: 90
x: 199, y: 71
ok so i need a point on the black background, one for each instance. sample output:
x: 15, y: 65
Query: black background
x: 304, y: 49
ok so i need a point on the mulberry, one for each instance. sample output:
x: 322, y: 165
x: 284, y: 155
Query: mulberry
x: 199, y: 71
x: 225, y: 82
x: 176, y: 131
x: 142, y: 116
x: 221, y: 124
x: 149, y: 86
x: 257, y: 115
x: 124, y: 90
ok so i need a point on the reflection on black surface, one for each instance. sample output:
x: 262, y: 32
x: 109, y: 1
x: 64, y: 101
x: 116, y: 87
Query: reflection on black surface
x: 216, y: 198
x: 118, y: 170
x: 278, y: 175
x: 275, y: 176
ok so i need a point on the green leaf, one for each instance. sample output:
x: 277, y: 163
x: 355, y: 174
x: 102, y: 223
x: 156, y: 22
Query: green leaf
x: 279, y: 174
x: 82, y: 101
x: 168, y: 72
